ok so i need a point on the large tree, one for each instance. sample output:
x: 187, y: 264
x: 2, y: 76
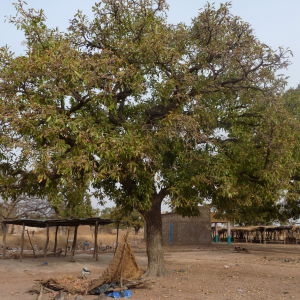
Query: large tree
x: 260, y: 165
x: 289, y: 207
x: 144, y: 111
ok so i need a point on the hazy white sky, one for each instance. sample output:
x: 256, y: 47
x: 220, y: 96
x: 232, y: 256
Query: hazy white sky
x: 275, y: 22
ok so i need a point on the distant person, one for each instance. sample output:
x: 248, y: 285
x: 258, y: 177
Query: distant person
x: 86, y: 245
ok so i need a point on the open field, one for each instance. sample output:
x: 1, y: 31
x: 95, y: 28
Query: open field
x: 215, y: 271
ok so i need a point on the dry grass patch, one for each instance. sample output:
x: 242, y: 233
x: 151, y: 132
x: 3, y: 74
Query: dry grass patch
x: 107, y: 239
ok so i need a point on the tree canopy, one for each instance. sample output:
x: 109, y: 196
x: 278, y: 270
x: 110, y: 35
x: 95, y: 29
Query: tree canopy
x: 129, y: 107
x: 123, y: 218
x: 289, y: 206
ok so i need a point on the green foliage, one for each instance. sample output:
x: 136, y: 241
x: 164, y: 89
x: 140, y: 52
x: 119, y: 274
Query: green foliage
x: 261, y: 164
x: 123, y: 217
x: 140, y: 110
x: 290, y: 205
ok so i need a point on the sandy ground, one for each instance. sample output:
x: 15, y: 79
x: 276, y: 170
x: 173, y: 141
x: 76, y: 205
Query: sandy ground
x: 206, y: 272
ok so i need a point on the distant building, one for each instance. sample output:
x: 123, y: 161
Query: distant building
x: 178, y: 230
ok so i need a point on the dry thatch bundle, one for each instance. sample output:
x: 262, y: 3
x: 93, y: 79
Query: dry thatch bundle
x: 70, y: 284
x: 123, y: 267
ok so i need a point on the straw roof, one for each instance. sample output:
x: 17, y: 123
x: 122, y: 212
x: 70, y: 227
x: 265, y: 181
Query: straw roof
x: 57, y: 222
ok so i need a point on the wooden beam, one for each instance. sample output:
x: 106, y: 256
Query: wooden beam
x: 74, y: 242
x: 47, y: 241
x: 55, y: 240
x: 4, y: 232
x: 67, y: 244
x: 22, y: 242
x: 117, y: 238
x: 96, y: 241
x: 31, y: 243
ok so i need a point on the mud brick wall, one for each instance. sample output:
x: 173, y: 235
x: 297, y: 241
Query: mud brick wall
x: 178, y: 230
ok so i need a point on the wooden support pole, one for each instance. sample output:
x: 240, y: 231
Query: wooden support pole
x: 117, y: 238
x: 67, y: 244
x: 47, y: 242
x: 22, y: 242
x: 31, y: 243
x: 4, y: 232
x: 96, y: 241
x: 74, y: 242
x: 55, y: 240
x: 122, y: 263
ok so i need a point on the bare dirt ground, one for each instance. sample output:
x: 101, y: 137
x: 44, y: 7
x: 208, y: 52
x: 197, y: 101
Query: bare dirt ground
x: 214, y: 272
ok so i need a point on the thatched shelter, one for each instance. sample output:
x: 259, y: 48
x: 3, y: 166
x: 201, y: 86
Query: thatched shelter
x: 53, y: 223
x: 285, y: 234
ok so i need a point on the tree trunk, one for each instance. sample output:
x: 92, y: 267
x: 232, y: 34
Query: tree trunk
x: 156, y: 265
x: 4, y: 233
